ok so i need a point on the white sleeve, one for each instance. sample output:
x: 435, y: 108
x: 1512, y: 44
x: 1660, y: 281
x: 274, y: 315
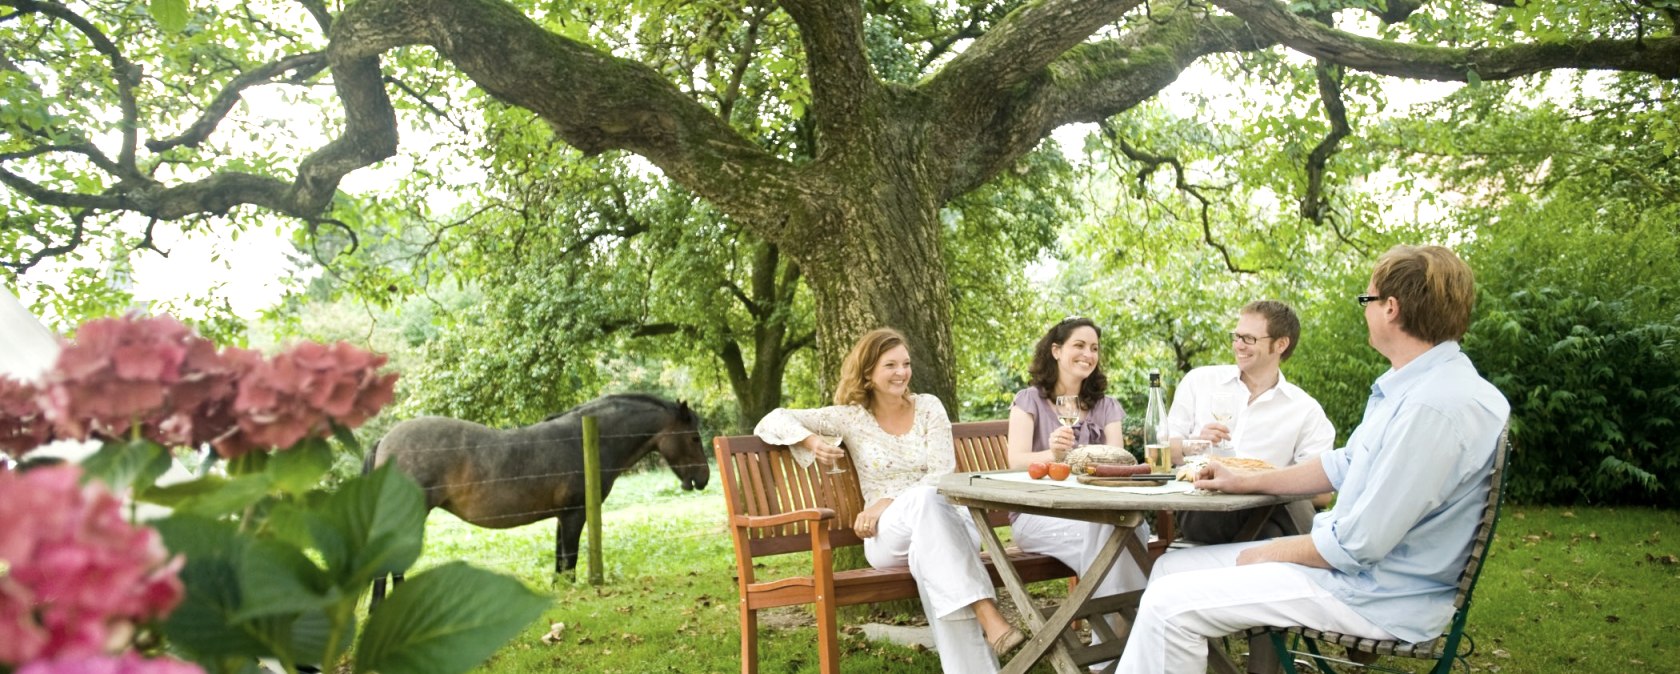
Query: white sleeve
x: 1181, y: 417
x: 1318, y: 435
x: 941, y: 449
x: 783, y: 426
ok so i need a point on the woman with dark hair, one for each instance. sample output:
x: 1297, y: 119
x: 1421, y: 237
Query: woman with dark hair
x: 1067, y: 362
x: 901, y: 445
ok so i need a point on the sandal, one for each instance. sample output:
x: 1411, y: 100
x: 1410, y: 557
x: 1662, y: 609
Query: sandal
x: 1006, y: 642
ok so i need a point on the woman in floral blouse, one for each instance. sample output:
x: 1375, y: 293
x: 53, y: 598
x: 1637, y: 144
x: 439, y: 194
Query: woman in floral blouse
x: 901, y: 444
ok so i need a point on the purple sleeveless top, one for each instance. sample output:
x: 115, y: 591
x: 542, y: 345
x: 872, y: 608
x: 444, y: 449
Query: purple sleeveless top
x: 1089, y: 431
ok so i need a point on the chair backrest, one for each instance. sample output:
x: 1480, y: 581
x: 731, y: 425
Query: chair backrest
x: 763, y: 479
x: 981, y: 445
x: 1482, y: 543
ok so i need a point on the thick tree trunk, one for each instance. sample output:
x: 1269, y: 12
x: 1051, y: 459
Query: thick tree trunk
x: 875, y: 261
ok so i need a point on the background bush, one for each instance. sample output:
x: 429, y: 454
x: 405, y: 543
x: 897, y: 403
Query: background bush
x: 1594, y: 393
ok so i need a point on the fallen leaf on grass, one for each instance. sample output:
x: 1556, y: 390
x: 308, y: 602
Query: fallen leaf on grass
x: 1665, y: 560
x: 1532, y: 538
x: 1568, y: 514
x: 1612, y: 619
x: 1501, y: 653
x: 553, y: 636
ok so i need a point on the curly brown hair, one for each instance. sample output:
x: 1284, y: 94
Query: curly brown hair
x: 1044, y: 372
x: 854, y: 388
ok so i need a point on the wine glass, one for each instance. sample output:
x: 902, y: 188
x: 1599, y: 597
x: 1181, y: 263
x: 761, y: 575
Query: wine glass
x: 1224, y: 411
x: 833, y: 441
x: 1067, y: 410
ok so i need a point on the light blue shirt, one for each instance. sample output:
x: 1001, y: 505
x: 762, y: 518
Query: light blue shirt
x: 1413, y: 480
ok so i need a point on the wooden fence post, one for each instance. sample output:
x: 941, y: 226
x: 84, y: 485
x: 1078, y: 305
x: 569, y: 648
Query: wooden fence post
x: 592, y: 495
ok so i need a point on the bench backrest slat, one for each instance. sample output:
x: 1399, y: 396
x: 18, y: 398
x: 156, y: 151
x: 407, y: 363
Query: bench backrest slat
x: 761, y: 479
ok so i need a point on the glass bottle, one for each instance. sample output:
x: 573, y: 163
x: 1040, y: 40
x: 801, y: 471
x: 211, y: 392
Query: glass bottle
x: 1155, y: 429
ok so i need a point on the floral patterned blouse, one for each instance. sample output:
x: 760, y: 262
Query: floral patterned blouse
x: 887, y: 464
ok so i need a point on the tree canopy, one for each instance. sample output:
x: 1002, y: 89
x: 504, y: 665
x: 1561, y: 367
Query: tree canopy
x: 837, y: 133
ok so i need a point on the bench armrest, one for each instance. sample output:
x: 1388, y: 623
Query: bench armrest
x: 805, y: 515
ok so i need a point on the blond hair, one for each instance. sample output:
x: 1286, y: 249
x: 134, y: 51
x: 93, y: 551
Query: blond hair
x: 1436, y: 290
x: 854, y: 387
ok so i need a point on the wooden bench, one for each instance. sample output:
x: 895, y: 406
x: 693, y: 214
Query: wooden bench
x: 777, y: 507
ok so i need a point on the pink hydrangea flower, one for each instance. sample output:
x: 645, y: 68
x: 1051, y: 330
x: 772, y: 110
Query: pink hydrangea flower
x: 128, y: 663
x: 22, y: 424
x: 116, y: 373
x: 76, y: 576
x: 300, y: 392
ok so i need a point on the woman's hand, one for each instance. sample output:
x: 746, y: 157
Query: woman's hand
x: 820, y: 448
x: 867, y: 521
x: 1061, y: 440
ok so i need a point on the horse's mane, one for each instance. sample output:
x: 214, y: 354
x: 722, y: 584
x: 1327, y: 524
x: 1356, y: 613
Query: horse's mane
x: 682, y: 411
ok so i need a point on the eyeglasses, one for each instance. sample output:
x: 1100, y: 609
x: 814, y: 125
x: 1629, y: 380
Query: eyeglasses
x: 1367, y: 299
x: 1250, y: 340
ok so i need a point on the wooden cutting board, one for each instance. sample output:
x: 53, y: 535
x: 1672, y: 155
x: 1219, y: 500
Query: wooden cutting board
x: 1116, y: 481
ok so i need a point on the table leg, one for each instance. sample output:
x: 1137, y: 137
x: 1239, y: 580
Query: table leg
x: 1045, y: 633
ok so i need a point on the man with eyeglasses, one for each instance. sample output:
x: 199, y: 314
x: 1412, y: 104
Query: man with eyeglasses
x: 1274, y: 421
x: 1384, y: 562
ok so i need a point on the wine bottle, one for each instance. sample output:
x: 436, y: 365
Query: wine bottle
x: 1155, y: 429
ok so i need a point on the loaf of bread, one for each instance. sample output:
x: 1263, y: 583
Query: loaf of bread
x: 1193, y: 467
x: 1079, y: 457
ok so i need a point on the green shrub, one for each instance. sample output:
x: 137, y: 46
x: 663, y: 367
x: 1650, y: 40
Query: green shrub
x: 1594, y: 392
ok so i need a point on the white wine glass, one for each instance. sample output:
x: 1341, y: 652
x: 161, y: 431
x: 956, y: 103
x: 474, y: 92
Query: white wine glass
x: 833, y: 441
x: 1067, y: 410
x: 1224, y: 411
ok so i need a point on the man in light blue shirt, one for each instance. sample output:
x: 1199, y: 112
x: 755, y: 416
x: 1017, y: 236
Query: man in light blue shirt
x: 1413, y: 479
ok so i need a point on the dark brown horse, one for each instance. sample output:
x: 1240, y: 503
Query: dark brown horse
x: 505, y: 478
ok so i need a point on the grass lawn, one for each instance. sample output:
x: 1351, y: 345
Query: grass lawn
x: 1565, y: 590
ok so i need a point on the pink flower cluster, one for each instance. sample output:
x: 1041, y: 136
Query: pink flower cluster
x: 155, y: 377
x: 128, y: 663
x: 75, y: 577
x: 22, y: 424
x: 299, y: 393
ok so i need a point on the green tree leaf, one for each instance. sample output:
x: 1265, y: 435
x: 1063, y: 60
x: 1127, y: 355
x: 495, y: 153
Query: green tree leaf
x: 372, y: 526
x: 134, y: 464
x: 171, y: 15
x: 446, y: 620
x: 300, y: 468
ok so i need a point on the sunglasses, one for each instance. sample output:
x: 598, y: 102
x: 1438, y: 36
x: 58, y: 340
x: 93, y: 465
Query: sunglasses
x: 1367, y: 299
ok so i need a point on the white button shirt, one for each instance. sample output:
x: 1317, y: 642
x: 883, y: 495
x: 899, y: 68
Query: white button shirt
x: 1283, y: 426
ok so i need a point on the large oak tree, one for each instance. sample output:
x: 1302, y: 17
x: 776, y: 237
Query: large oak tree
x: 856, y: 204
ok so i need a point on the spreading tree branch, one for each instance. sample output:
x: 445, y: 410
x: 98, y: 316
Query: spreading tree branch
x: 1658, y: 56
x: 1314, y: 205
x: 303, y: 66
x: 1152, y: 162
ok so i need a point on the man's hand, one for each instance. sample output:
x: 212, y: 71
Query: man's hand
x: 1215, y: 476
x: 1215, y: 432
x: 1288, y: 549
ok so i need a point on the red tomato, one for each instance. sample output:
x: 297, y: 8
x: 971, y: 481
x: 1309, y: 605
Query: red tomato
x: 1060, y: 471
x: 1038, y: 469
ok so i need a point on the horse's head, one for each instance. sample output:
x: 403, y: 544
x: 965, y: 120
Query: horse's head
x: 679, y: 443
